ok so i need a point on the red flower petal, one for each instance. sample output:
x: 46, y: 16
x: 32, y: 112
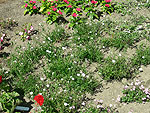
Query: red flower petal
x: 40, y: 99
x: 0, y: 79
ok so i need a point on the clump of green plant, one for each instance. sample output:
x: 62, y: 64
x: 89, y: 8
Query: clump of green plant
x: 135, y: 92
x: 26, y: 32
x: 121, y: 40
x: 115, y: 69
x: 142, y: 56
x: 8, y: 101
x: 98, y: 109
x: 90, y: 52
x: 8, y: 23
x: 2, y: 40
x: 31, y: 7
x: 86, y: 32
x: 74, y: 9
x: 57, y: 35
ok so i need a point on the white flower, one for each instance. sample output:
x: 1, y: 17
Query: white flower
x: 20, y: 33
x: 110, y: 105
x: 48, y: 51
x: 64, y: 48
x: 40, y: 93
x: 42, y: 79
x: 44, y: 89
x: 72, y: 78
x: 43, y: 41
x: 29, y: 31
x: 71, y: 55
x: 31, y: 93
x: 143, y: 57
x: 119, y: 54
x: 27, y: 37
x: 65, y: 104
x: 101, y: 101
x: 131, y: 84
x: 99, y: 106
x: 47, y: 85
x: 113, y: 61
x: 142, y: 87
x: 140, y: 69
x: 125, y: 87
x: 103, y: 46
x: 83, y: 103
x: 31, y: 28
x: 83, y: 75
x: 78, y: 74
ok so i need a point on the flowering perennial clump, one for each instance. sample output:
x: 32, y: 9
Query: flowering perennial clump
x: 54, y: 9
x: 135, y: 92
x: 26, y: 32
x: 2, y: 39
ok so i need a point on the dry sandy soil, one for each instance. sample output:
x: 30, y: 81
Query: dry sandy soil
x: 12, y: 9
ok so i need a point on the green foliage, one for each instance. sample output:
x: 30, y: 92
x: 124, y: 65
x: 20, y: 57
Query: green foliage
x: 8, y: 23
x: 71, y: 8
x: 86, y: 32
x: 135, y: 93
x: 142, y: 56
x: 31, y: 8
x: 8, y: 101
x: 90, y: 52
x: 115, y: 69
x: 121, y: 40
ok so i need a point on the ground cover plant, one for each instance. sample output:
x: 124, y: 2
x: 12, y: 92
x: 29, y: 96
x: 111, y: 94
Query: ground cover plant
x: 135, y: 92
x: 26, y: 32
x: 8, y: 23
x: 52, y: 74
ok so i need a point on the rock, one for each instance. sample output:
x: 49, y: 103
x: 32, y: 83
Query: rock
x: 124, y: 80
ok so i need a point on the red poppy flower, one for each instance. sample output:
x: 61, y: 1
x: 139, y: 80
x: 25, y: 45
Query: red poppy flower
x: 0, y: 78
x: 39, y: 99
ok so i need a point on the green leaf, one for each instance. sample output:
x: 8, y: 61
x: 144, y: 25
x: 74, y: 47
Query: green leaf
x: 71, y: 24
x: 41, y: 9
x: 25, y: 12
x: 23, y: 6
x: 54, y: 18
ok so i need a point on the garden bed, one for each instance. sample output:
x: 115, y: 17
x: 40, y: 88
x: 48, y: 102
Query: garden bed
x: 81, y: 69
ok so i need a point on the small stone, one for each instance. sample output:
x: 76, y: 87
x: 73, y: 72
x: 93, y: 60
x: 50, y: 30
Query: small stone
x: 140, y: 69
x: 124, y: 80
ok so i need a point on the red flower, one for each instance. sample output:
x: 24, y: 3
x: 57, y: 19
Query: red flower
x: 108, y: 0
x: 39, y: 99
x: 48, y: 13
x: 30, y: 1
x: 69, y: 6
x: 34, y: 2
x: 26, y: 5
x: 106, y: 5
x: 74, y: 15
x: 1, y: 79
x: 93, y: 2
x: 34, y: 7
x: 60, y: 12
x: 54, y: 9
x: 78, y: 9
